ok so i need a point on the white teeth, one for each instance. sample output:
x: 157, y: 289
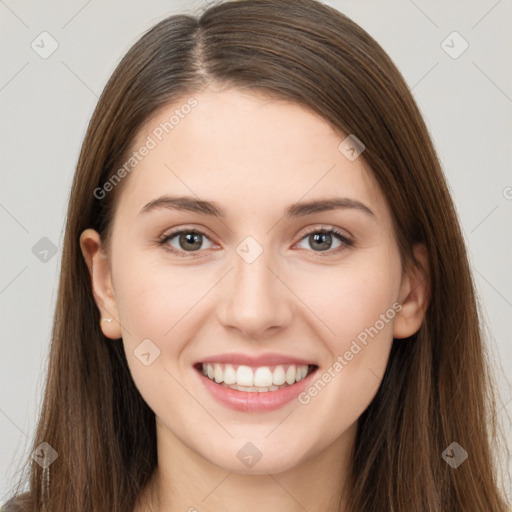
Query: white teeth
x: 244, y: 376
x: 263, y: 377
x: 217, y: 373
x: 301, y: 373
x: 229, y: 375
x: 251, y: 389
x: 259, y: 379
x: 278, y: 377
x: 290, y: 375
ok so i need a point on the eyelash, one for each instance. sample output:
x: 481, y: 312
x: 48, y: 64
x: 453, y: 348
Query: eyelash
x: 346, y: 242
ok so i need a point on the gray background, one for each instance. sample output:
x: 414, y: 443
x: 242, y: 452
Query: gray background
x: 45, y: 105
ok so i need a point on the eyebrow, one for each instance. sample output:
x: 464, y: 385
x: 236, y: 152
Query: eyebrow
x: 186, y: 203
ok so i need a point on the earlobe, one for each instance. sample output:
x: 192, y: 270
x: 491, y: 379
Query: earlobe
x: 414, y: 295
x: 101, y: 282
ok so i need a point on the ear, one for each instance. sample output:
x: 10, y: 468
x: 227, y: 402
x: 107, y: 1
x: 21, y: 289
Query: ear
x: 101, y: 281
x: 414, y: 295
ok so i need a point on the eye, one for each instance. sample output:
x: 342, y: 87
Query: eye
x: 322, y: 239
x: 187, y: 240
x: 191, y: 241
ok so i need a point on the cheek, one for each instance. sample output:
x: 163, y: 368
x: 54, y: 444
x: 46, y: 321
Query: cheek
x: 348, y: 301
x: 155, y: 305
x: 152, y: 298
x: 161, y: 307
x: 360, y: 312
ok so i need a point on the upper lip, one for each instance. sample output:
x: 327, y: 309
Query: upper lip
x: 267, y: 359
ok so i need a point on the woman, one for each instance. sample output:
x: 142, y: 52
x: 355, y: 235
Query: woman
x: 265, y: 299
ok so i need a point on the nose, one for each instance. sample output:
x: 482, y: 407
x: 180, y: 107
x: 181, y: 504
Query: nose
x: 256, y: 301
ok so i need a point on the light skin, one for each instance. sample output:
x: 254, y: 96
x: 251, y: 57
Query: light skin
x: 253, y: 157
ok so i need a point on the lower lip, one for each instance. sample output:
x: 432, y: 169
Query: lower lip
x: 255, y: 401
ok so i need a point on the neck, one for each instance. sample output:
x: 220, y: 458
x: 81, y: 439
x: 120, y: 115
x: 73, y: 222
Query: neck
x: 186, y: 482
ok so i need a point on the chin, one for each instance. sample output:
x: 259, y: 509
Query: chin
x: 247, y: 459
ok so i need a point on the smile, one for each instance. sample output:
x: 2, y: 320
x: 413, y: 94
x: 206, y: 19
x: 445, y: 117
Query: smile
x: 254, y: 387
x: 259, y: 379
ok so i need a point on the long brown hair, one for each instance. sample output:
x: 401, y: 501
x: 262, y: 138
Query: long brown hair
x: 437, y: 388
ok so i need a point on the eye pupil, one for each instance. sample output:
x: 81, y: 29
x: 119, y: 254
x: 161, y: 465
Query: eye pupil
x: 324, y: 239
x: 190, y: 238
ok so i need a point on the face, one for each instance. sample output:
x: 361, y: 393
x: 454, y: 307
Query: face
x: 243, y: 275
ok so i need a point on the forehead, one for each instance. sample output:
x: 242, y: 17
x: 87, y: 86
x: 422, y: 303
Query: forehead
x: 232, y: 144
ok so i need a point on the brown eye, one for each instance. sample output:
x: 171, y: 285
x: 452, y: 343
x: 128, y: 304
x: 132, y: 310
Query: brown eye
x: 192, y: 241
x: 184, y: 241
x: 322, y: 240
